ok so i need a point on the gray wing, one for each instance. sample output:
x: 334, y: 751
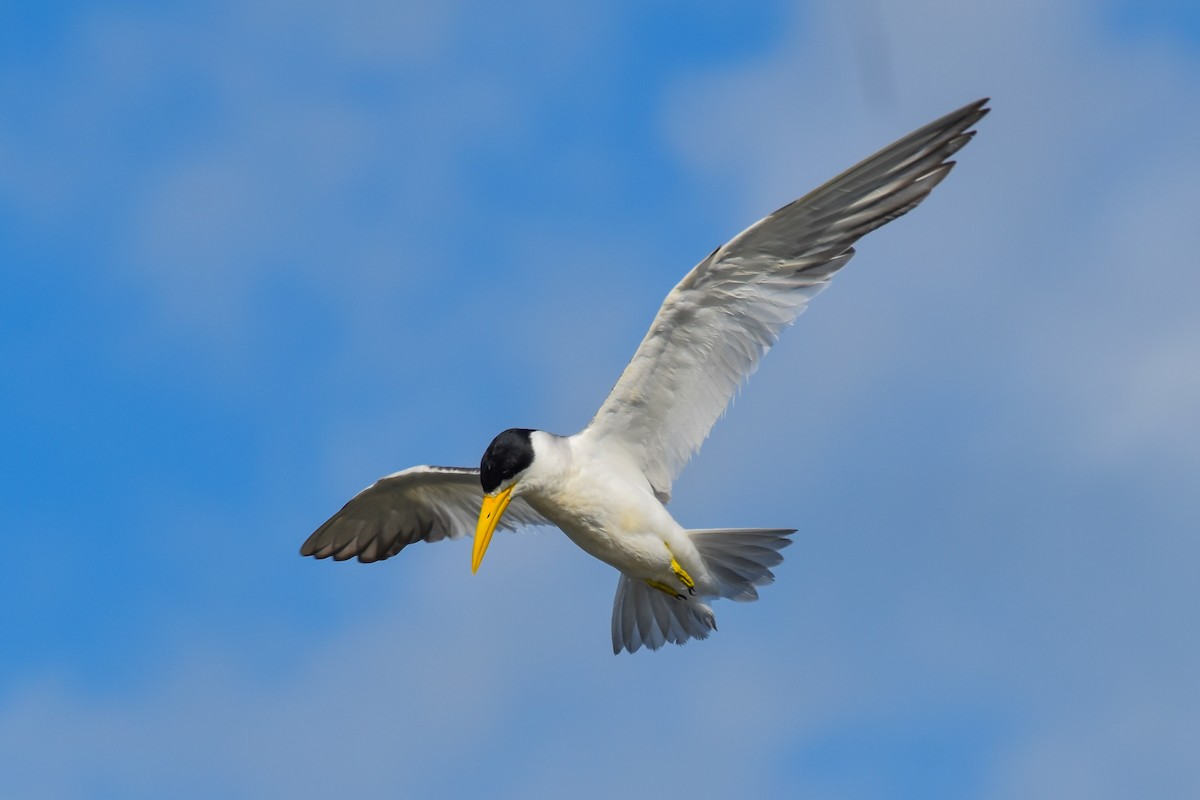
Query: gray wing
x: 715, y: 326
x: 418, y: 504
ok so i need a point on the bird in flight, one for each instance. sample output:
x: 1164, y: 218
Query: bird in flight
x: 607, y: 487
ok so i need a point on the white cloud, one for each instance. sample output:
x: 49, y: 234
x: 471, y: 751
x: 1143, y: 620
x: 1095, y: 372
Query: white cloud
x: 1048, y: 281
x: 450, y: 685
x: 1063, y: 227
x: 225, y: 153
x: 1052, y: 277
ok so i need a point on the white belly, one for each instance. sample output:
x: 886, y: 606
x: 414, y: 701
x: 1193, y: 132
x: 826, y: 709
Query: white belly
x: 623, y: 526
x: 603, y: 503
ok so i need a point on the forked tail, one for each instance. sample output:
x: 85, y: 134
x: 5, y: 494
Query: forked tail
x: 738, y: 559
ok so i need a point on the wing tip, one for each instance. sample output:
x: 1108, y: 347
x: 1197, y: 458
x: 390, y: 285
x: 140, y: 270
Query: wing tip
x: 975, y: 112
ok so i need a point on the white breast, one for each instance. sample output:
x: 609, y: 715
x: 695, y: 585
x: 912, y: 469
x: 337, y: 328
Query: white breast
x: 604, y: 505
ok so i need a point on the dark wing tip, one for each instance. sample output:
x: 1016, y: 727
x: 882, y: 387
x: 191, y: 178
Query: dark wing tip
x: 977, y: 110
x: 312, y: 545
x: 422, y: 503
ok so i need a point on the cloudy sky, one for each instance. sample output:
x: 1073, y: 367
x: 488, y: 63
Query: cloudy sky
x: 255, y: 255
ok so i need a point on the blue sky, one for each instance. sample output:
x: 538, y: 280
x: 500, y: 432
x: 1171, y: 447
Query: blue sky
x: 255, y: 256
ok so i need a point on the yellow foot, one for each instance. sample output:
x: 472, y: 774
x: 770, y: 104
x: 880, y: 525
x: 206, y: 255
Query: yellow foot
x: 664, y: 588
x: 681, y: 573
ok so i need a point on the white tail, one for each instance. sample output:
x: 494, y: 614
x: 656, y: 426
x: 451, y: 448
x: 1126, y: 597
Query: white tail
x: 646, y: 616
x: 738, y: 559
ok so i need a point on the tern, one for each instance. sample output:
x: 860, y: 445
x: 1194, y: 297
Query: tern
x: 607, y: 487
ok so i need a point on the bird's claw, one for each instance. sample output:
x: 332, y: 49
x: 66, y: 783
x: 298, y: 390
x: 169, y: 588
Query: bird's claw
x: 664, y: 588
x: 684, y: 578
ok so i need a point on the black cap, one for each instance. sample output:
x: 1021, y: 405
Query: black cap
x: 507, y: 455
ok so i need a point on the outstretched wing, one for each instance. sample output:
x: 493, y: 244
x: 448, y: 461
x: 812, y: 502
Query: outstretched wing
x: 715, y: 326
x: 418, y: 504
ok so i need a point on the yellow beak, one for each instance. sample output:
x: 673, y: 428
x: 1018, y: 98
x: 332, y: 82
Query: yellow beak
x: 489, y: 517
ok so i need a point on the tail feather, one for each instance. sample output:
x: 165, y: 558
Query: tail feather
x: 740, y: 559
x: 644, y: 616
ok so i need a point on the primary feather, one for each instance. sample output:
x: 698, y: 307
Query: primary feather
x: 417, y: 504
x: 717, y: 323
